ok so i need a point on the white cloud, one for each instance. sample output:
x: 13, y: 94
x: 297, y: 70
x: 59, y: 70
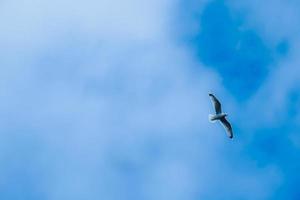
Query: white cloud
x: 112, y: 102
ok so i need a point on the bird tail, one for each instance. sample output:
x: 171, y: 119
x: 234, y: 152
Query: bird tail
x: 210, y: 118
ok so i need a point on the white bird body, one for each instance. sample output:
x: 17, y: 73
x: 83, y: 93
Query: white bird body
x: 217, y: 116
x: 220, y: 116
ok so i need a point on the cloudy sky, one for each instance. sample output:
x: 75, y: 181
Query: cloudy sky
x: 108, y: 99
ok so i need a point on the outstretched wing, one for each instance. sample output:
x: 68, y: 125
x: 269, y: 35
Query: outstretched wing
x: 216, y: 103
x: 227, y: 127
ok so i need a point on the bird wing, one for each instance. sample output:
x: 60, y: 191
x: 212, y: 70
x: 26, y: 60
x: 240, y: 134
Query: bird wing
x: 216, y: 103
x: 227, y: 127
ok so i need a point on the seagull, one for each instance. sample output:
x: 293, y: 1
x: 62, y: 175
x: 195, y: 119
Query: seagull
x: 220, y: 116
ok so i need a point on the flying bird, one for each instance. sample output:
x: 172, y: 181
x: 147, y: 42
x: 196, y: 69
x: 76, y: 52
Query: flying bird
x: 220, y: 116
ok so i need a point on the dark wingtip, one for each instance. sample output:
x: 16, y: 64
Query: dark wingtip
x: 231, y: 137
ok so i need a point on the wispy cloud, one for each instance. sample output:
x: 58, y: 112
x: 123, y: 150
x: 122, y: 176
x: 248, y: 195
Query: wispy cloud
x: 102, y: 99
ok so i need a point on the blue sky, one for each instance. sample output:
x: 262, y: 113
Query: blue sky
x: 109, y: 99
